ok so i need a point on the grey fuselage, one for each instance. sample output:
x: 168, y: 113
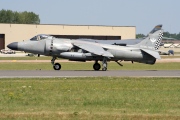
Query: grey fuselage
x: 63, y: 48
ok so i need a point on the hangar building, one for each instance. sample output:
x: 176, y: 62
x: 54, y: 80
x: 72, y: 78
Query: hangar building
x: 19, y: 32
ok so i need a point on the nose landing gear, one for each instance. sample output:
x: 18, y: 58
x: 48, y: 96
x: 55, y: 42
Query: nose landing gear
x: 56, y: 66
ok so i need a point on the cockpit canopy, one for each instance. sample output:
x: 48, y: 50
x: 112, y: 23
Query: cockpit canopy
x: 41, y: 37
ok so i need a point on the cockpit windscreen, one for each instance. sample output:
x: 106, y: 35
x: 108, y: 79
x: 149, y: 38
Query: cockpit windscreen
x: 41, y: 37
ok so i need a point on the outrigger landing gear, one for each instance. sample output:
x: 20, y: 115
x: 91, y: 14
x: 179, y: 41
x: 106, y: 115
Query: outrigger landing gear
x: 56, y: 66
x: 96, y: 66
x: 104, y: 64
x: 119, y: 63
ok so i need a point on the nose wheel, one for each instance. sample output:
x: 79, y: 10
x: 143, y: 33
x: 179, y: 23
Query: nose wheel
x: 56, y: 66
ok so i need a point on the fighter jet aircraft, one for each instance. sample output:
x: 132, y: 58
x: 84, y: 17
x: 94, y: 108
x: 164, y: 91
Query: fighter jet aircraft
x: 78, y: 50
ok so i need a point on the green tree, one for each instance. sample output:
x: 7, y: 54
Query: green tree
x: 178, y: 36
x: 16, y: 18
x: 8, y: 16
x: 170, y: 35
x: 166, y: 35
x: 140, y: 36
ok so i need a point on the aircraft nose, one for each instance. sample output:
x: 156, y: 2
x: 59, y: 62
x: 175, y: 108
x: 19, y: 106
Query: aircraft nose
x: 13, y: 46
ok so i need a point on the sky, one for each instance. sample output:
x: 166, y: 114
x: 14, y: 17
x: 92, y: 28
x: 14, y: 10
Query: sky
x: 143, y: 14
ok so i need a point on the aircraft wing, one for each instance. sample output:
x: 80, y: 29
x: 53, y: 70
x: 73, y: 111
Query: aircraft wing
x: 155, y: 54
x: 115, y: 42
x: 94, y: 48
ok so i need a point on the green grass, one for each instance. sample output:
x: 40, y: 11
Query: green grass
x: 26, y: 58
x: 88, y: 66
x: 90, y: 98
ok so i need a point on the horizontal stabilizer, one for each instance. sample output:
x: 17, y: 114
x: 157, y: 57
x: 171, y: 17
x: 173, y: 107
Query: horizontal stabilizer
x: 92, y: 48
x: 155, y: 54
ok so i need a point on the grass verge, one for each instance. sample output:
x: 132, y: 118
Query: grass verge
x: 90, y: 98
x: 88, y: 66
x: 26, y: 58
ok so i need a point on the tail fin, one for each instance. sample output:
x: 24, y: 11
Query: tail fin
x: 156, y: 28
x: 153, y: 40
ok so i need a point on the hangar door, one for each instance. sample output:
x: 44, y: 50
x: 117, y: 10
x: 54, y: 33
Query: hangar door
x: 2, y: 41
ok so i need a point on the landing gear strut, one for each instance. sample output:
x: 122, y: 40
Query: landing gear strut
x: 56, y: 66
x: 96, y: 66
x: 119, y: 63
x: 104, y: 64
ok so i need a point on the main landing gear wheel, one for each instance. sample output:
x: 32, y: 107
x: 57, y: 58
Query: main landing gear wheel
x: 96, y: 66
x: 57, y: 66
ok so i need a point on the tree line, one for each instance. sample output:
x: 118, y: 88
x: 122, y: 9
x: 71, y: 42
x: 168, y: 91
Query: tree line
x: 166, y: 35
x: 170, y: 35
x: 9, y: 16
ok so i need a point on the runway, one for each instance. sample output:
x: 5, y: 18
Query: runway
x: 118, y: 73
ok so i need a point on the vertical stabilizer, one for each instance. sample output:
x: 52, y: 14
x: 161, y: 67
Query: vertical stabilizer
x: 153, y: 40
x: 156, y: 28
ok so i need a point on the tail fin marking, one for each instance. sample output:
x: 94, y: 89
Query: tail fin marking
x: 158, y: 42
x: 153, y: 40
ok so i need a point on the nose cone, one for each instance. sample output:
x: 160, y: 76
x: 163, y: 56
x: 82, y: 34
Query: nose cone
x: 13, y: 46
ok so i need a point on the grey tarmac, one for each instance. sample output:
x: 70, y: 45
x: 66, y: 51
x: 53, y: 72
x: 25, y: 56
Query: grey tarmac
x: 87, y: 73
